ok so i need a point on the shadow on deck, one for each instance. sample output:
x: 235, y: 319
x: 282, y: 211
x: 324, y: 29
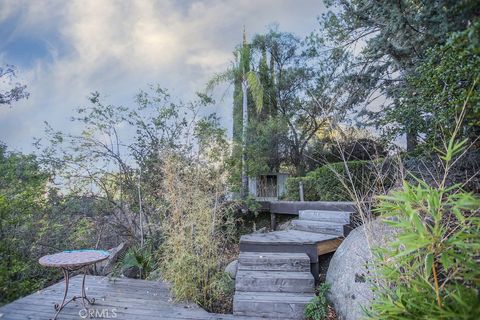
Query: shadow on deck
x: 115, y: 298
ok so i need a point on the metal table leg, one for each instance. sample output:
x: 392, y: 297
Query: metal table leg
x: 84, y: 294
x: 58, y: 307
x: 66, y: 274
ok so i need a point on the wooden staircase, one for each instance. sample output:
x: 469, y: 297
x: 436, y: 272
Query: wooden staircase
x: 277, y: 271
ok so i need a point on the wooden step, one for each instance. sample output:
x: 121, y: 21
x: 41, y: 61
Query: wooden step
x: 274, y: 261
x: 285, y: 237
x: 342, y: 217
x: 288, y: 241
x: 274, y: 281
x: 325, y: 227
x: 271, y: 305
x: 293, y: 207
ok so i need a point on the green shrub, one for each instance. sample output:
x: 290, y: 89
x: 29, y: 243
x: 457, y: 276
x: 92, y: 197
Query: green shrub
x: 317, y: 308
x: 196, y: 235
x: 335, y: 181
x: 141, y: 259
x: 431, y: 270
x: 431, y: 99
x: 222, y: 285
x: 292, y: 188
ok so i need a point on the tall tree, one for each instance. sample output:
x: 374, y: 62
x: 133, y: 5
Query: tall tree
x: 241, y: 73
x: 22, y: 204
x: 393, y: 37
x: 443, y: 92
x: 302, y: 92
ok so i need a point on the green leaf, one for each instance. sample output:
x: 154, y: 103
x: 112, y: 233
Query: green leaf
x: 428, y: 265
x: 446, y: 261
x: 418, y: 223
x: 256, y: 89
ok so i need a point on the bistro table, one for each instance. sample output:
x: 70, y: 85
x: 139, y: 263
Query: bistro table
x: 70, y: 261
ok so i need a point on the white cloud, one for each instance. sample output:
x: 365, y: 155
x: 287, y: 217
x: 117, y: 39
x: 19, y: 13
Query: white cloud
x: 118, y: 47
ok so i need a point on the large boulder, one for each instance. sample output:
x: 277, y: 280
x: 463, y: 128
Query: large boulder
x: 348, y: 273
x: 231, y: 269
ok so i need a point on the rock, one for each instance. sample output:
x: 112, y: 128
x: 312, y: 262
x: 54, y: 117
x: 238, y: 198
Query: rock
x: 155, y: 275
x: 231, y: 269
x: 285, y: 226
x: 106, y: 267
x: 132, y: 272
x: 348, y: 273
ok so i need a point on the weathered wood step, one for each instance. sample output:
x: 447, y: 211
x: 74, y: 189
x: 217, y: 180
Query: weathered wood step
x: 285, y: 237
x: 287, y: 241
x: 326, y: 227
x: 271, y: 305
x: 274, y: 281
x: 274, y: 261
x: 323, y: 215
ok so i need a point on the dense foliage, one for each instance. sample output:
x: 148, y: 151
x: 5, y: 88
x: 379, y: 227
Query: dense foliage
x: 35, y: 220
x: 440, y: 88
x: 198, y: 229
x: 300, y: 96
x: 393, y: 38
x: 317, y: 308
x: 115, y: 190
x: 431, y: 270
x: 158, y: 174
x: 22, y: 199
x: 338, y: 181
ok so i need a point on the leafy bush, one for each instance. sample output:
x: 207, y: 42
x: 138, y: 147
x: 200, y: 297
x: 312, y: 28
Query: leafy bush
x: 292, y: 191
x: 330, y: 179
x: 334, y: 181
x: 358, y: 149
x: 140, y: 259
x: 22, y: 207
x: 317, y: 308
x: 34, y: 223
x: 431, y: 270
x: 196, y: 235
x: 222, y: 288
x: 446, y: 80
x: 222, y: 284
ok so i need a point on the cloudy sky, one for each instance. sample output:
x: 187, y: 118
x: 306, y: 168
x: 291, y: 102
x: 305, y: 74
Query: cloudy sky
x: 66, y: 49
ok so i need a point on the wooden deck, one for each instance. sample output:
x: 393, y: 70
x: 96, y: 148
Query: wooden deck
x: 115, y: 298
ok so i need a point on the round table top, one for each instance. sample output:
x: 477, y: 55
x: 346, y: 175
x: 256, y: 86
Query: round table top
x: 73, y: 258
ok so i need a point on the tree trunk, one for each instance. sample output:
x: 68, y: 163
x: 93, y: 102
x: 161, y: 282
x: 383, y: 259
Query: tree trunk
x: 298, y: 163
x: 244, y: 192
x: 412, y: 140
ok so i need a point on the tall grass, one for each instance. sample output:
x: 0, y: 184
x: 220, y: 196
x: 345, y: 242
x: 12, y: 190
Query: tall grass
x: 196, y: 228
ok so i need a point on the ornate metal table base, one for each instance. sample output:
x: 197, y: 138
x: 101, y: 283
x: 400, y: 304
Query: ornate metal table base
x: 69, y: 261
x: 85, y: 299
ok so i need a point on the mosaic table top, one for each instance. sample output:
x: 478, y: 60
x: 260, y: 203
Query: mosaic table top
x: 73, y: 258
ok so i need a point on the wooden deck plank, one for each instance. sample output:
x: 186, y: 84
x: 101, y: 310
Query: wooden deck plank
x: 130, y: 298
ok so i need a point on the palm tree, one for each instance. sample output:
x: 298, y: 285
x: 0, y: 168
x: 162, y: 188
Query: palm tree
x: 240, y: 71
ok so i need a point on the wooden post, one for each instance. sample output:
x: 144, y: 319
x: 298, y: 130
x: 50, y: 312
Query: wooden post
x: 273, y: 221
x: 300, y: 187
